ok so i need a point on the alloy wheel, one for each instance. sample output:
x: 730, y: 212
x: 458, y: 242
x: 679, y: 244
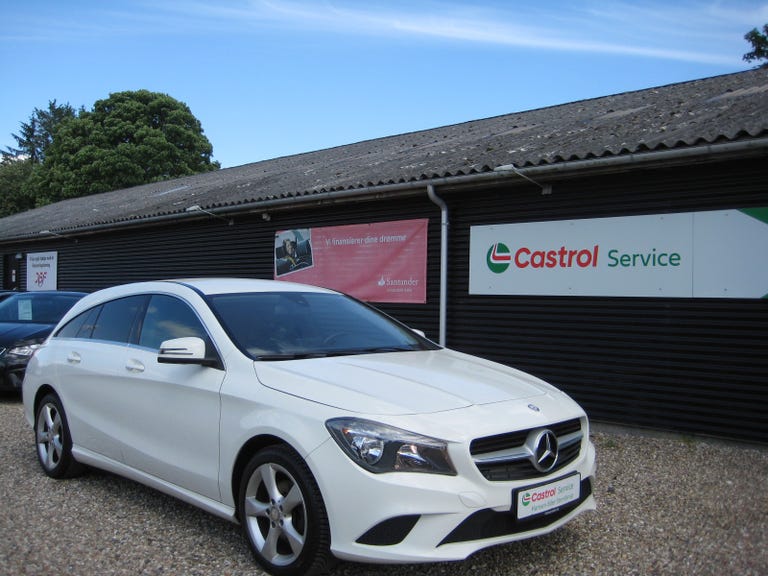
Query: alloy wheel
x: 276, y: 514
x: 49, y: 433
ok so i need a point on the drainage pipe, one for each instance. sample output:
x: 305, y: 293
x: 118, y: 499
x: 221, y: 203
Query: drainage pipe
x: 443, y: 304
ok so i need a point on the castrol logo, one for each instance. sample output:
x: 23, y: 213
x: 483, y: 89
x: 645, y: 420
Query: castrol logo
x: 499, y: 257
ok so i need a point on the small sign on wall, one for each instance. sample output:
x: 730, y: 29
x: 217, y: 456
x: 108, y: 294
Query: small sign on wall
x: 41, y: 270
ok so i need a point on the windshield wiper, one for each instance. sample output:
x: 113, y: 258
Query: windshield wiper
x: 296, y: 356
x: 391, y: 349
x: 374, y: 350
x: 330, y: 353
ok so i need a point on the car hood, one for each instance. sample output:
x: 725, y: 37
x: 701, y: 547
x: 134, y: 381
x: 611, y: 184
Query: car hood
x: 12, y: 332
x: 401, y: 382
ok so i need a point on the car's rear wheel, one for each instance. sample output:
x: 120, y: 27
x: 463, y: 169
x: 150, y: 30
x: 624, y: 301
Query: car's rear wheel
x: 283, y: 515
x: 53, y: 440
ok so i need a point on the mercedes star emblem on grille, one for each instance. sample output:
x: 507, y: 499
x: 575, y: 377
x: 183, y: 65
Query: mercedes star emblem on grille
x: 545, y: 451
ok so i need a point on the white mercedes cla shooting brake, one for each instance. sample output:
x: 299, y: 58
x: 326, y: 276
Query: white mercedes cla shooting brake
x: 325, y: 428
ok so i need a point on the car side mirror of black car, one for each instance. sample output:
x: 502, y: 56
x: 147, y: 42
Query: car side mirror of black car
x: 189, y: 350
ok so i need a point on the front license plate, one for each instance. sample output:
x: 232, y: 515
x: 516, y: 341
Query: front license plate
x: 545, y: 497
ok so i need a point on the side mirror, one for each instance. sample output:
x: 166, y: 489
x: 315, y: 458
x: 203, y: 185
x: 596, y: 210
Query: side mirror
x: 419, y: 332
x: 190, y: 350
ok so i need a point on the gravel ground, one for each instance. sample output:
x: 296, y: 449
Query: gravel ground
x: 666, y: 505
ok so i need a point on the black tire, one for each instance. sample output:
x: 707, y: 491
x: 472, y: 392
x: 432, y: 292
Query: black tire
x: 53, y: 441
x: 283, y: 515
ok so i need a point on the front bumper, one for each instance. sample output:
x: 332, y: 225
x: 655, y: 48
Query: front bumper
x: 409, y: 518
x: 12, y: 373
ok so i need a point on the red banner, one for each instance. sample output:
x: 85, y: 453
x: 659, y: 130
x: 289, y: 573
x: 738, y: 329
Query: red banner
x: 383, y: 262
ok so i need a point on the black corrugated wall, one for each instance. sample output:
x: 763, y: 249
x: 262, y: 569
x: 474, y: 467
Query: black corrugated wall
x: 211, y: 247
x: 691, y: 365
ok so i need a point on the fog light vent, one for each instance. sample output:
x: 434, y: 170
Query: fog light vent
x: 389, y: 532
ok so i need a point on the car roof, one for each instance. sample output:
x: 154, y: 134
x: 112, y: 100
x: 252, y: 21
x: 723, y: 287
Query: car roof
x: 201, y: 286
x: 210, y: 286
x: 186, y: 286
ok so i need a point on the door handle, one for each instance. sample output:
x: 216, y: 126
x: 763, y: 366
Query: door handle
x: 134, y: 366
x: 73, y: 358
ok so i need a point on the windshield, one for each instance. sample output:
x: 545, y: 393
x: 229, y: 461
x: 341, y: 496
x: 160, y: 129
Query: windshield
x: 291, y: 325
x: 36, y: 308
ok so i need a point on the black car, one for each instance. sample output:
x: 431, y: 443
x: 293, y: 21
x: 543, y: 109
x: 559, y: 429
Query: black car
x: 26, y: 319
x: 6, y: 294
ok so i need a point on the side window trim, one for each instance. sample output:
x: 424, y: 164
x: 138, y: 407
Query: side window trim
x: 80, y: 321
x: 141, y: 305
x: 138, y: 320
x: 88, y: 321
x: 95, y: 312
x: 91, y: 316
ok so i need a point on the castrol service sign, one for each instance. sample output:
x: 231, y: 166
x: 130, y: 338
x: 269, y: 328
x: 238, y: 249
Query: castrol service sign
x: 714, y: 254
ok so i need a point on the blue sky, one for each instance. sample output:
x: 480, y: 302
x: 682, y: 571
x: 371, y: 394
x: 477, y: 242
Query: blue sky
x: 270, y: 78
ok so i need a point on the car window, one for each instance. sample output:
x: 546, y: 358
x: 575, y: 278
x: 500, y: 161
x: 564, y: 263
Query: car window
x: 81, y: 326
x: 283, y: 325
x: 168, y: 317
x: 38, y: 308
x: 117, y: 319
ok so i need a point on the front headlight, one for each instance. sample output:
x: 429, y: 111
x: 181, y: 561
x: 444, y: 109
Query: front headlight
x: 380, y: 448
x: 24, y: 350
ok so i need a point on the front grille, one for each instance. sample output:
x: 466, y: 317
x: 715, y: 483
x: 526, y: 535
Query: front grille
x: 505, y: 457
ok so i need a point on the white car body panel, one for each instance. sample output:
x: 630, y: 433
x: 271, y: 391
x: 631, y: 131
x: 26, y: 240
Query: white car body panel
x: 400, y: 383
x: 132, y: 414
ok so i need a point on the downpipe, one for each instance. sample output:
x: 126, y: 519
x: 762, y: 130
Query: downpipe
x: 443, y: 304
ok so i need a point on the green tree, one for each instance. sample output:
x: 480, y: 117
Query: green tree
x: 127, y: 139
x: 759, y: 42
x: 36, y: 135
x: 15, y: 195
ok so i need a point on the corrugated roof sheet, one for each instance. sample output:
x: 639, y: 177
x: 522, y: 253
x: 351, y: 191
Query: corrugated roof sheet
x: 720, y: 109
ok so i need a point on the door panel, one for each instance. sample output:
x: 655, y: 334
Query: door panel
x: 174, y: 432
x: 92, y: 385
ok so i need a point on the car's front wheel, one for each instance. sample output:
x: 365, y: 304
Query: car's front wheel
x: 283, y: 515
x: 53, y: 440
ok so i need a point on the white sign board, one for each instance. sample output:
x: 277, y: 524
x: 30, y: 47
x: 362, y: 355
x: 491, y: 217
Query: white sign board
x: 718, y: 254
x: 41, y: 271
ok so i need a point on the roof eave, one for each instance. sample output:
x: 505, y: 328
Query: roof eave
x: 542, y: 174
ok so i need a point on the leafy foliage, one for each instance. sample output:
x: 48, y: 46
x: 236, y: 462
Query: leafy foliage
x: 36, y: 135
x: 15, y: 195
x: 759, y: 42
x: 128, y: 139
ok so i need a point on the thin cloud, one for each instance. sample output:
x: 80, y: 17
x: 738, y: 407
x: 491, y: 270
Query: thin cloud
x: 664, y: 31
x: 688, y: 31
